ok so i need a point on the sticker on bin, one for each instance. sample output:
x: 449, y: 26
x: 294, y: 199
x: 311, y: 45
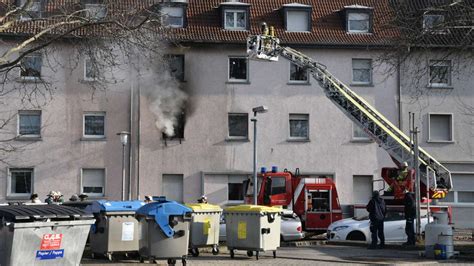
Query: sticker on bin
x: 242, y: 230
x: 206, y: 227
x: 127, y: 231
x: 51, y: 241
x: 49, y: 254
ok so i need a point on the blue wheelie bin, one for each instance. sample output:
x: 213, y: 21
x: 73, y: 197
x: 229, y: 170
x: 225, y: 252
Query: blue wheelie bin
x: 115, y: 229
x: 164, y: 230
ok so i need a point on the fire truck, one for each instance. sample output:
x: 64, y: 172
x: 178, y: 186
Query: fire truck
x: 298, y: 191
x: 313, y: 199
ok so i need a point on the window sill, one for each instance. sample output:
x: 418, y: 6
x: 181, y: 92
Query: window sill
x: 361, y: 85
x: 88, y: 81
x: 28, y: 138
x: 297, y: 31
x: 29, y: 79
x: 173, y: 139
x: 236, y: 29
x: 362, y: 32
x: 245, y: 82
x: 448, y: 87
x: 298, y: 140
x: 441, y: 141
x: 234, y: 202
x: 236, y: 139
x: 18, y: 197
x: 304, y: 83
x: 93, y: 139
x: 362, y: 141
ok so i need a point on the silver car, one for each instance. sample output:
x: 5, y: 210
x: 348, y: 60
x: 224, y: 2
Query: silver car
x: 291, y: 228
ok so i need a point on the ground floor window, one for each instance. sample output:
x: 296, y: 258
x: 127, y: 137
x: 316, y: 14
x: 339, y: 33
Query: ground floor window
x: 20, y: 182
x: 235, y: 188
x: 93, y: 182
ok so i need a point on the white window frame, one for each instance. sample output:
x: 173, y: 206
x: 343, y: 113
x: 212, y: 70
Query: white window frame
x: 308, y: 17
x: 235, y: 11
x: 9, y: 182
x: 443, y: 63
x: 32, y: 78
x: 84, y: 125
x: 229, y: 177
x: 295, y: 117
x: 358, y: 31
x: 290, y: 81
x: 247, y: 70
x: 181, y: 25
x: 26, y: 112
x: 93, y: 195
x: 431, y: 29
x: 370, y: 82
x: 356, y: 138
x: 451, y: 128
x: 228, y: 128
x: 85, y: 71
x: 94, y: 10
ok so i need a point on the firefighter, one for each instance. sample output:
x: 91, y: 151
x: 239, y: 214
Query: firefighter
x: 410, y: 214
x: 377, y: 211
x: 34, y: 198
x: 264, y: 28
x: 203, y: 199
x: 148, y: 199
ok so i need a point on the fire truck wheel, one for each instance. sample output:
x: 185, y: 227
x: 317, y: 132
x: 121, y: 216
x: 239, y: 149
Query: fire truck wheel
x: 232, y: 254
x: 195, y: 252
x: 274, y: 254
x: 356, y: 235
x: 249, y: 253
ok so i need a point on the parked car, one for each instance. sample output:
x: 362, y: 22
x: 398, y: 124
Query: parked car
x: 291, y: 228
x: 358, y: 229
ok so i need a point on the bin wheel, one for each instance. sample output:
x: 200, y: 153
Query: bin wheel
x: 142, y: 260
x: 195, y: 252
x: 232, y: 254
x: 249, y: 253
x: 110, y: 257
x: 256, y: 255
x: 274, y: 254
x: 183, y: 261
x: 171, y: 262
x: 215, y: 250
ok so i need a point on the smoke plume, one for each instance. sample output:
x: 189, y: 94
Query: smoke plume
x: 166, y: 102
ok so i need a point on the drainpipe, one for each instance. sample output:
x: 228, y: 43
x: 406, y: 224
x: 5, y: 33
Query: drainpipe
x: 400, y: 113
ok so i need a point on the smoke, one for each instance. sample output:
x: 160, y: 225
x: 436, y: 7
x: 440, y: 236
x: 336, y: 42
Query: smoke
x: 166, y: 102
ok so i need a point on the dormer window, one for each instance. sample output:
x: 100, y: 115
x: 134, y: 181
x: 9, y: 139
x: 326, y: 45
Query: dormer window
x: 358, y: 19
x: 433, y: 23
x: 172, y: 16
x: 235, y: 15
x: 297, y: 17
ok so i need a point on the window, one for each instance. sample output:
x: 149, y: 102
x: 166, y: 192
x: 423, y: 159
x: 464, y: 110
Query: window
x: 31, y: 11
x: 235, y: 188
x: 440, y: 73
x: 463, y: 188
x: 176, y: 66
x: 466, y: 196
x: 358, y: 133
x: 96, y: 11
x: 440, y: 127
x: 358, y: 22
x: 94, y: 125
x: 172, y: 187
x: 20, y: 182
x: 235, y: 19
x: 362, y: 71
x: 319, y: 200
x: 93, y: 182
x: 238, y: 125
x: 238, y: 69
x: 90, y: 70
x: 297, y: 20
x: 178, y: 132
x: 172, y: 16
x: 299, y: 126
x: 298, y: 74
x: 30, y: 67
x: 278, y: 185
x: 29, y: 123
x: 433, y: 23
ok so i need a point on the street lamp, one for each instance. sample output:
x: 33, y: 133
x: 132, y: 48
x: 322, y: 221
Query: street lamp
x: 258, y: 109
x: 124, y: 140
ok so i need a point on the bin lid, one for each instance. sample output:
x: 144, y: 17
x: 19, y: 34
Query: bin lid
x: 161, y: 211
x: 30, y: 213
x: 253, y: 208
x: 114, y: 206
x: 204, y: 207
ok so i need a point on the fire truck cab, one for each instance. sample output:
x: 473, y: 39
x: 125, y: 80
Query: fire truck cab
x: 313, y: 199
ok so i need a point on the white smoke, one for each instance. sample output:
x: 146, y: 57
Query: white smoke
x: 166, y: 102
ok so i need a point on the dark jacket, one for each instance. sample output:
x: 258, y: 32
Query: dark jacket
x: 410, y: 207
x: 376, y: 209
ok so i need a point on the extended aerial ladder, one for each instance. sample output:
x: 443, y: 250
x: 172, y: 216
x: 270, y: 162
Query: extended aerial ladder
x: 267, y: 47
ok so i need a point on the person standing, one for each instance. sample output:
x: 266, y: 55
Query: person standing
x: 410, y: 215
x: 377, y: 210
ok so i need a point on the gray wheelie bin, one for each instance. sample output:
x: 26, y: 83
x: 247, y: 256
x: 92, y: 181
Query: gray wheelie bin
x: 164, y: 230
x: 252, y: 228
x: 42, y: 235
x: 204, y: 227
x: 115, y: 229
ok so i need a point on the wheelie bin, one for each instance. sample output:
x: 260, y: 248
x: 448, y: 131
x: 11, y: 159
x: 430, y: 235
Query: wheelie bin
x: 253, y: 228
x: 115, y: 229
x: 42, y: 235
x: 204, y: 230
x: 164, y: 229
